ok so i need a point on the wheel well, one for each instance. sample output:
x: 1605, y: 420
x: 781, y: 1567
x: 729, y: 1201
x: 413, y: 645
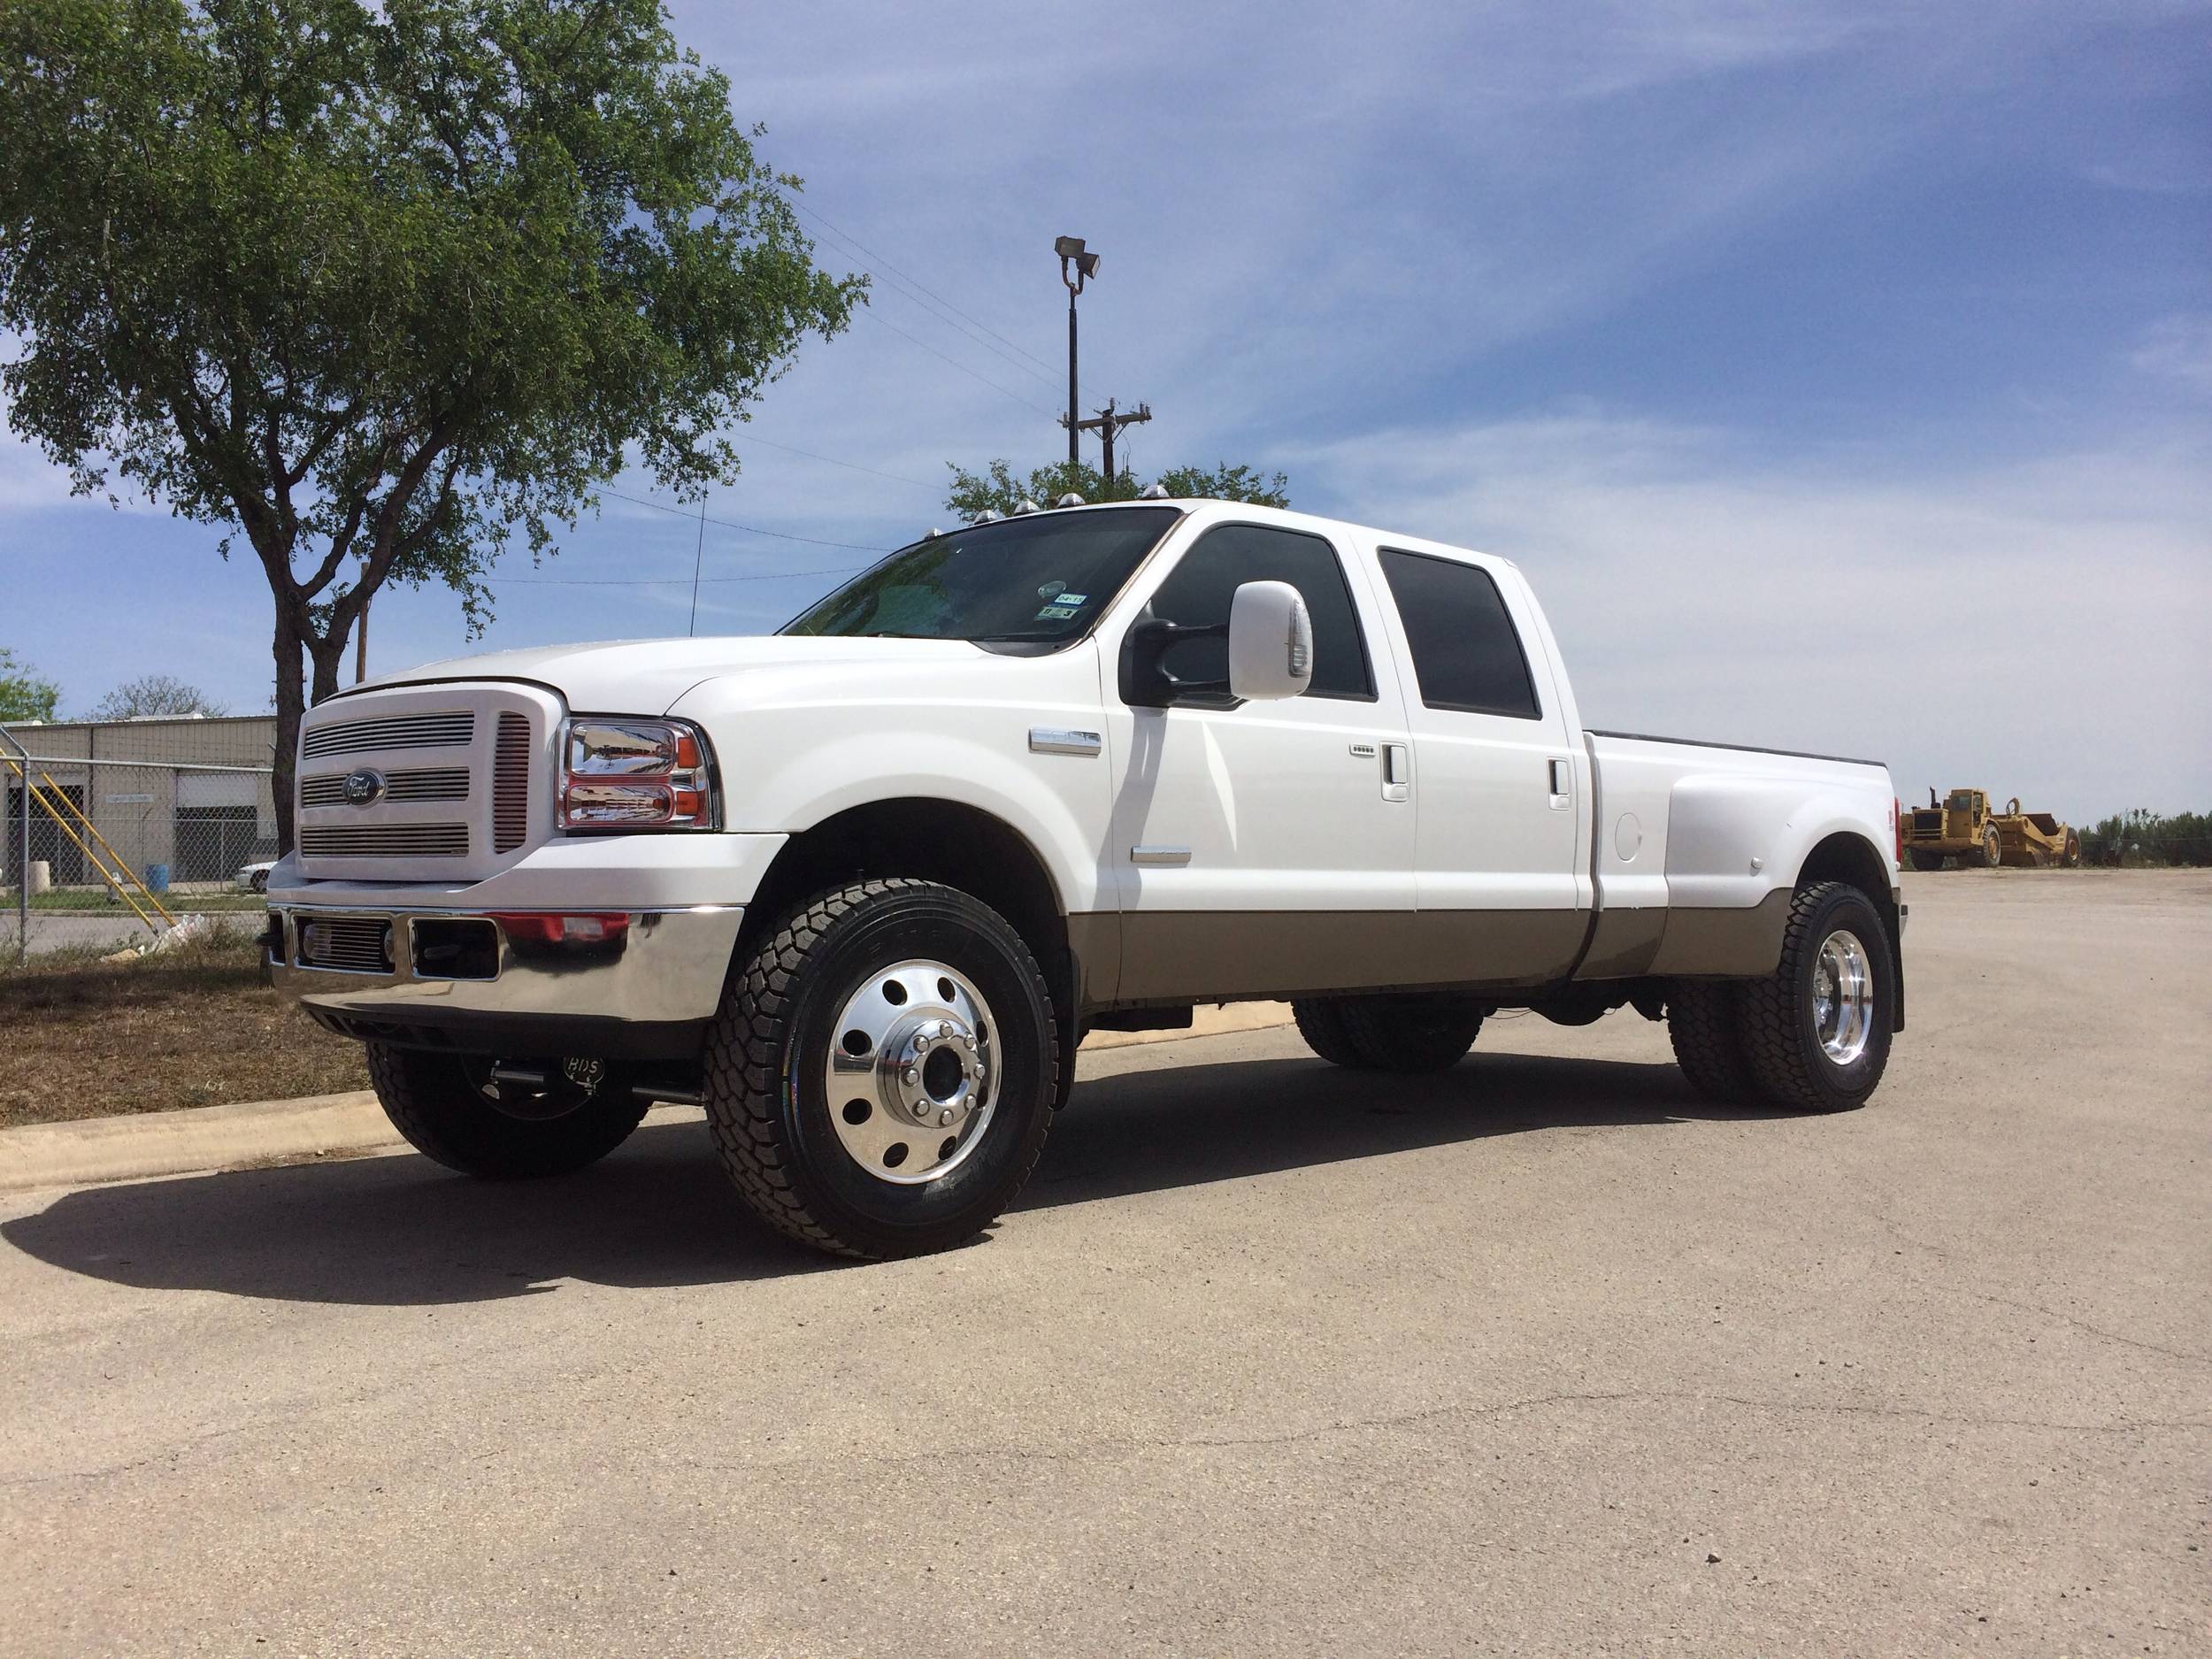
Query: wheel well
x: 1852, y: 859
x: 961, y: 846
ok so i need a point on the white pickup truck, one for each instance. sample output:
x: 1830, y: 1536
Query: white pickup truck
x: 860, y: 888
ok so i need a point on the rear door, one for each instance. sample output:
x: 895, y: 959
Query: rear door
x: 1496, y: 783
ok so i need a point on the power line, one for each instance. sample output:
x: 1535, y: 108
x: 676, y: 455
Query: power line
x: 749, y: 529
x: 895, y: 478
x: 664, y: 581
x: 940, y: 299
x: 963, y: 367
x: 900, y: 282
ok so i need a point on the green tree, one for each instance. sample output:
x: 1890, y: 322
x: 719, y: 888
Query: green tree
x: 381, y: 287
x: 2142, y: 837
x: 995, y: 488
x: 23, y: 694
x: 152, y: 696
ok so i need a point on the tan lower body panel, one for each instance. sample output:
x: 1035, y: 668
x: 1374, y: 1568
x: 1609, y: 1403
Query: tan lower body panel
x: 1205, y: 955
x: 1224, y: 956
x: 1624, y: 944
x: 1736, y: 944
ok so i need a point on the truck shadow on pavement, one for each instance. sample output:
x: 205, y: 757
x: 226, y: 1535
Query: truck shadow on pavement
x: 401, y: 1231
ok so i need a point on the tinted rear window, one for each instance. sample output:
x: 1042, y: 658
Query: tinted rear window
x: 1467, y: 656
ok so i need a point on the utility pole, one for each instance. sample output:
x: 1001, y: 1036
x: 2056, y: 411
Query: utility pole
x: 361, y: 644
x: 1110, y: 421
x: 1071, y: 253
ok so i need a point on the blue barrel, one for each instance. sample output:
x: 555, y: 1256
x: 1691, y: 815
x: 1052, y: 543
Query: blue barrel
x: 157, y: 877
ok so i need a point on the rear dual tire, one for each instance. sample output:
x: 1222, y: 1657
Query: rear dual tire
x: 1813, y: 1036
x: 1407, y: 1034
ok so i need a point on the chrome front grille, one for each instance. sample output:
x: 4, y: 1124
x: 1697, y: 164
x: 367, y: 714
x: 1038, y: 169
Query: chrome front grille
x: 427, y: 783
x: 510, y: 784
x: 349, y: 944
x: 459, y: 794
x: 446, y: 728
x: 384, y: 841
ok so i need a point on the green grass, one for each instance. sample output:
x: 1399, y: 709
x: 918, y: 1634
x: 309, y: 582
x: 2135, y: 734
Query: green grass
x: 190, y: 1026
x: 74, y: 901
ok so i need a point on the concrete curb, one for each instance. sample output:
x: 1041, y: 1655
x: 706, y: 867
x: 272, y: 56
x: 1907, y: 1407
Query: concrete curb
x: 88, y: 1151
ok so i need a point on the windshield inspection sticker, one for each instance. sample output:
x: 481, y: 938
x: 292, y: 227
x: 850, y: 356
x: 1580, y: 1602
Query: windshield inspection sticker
x: 1057, y: 613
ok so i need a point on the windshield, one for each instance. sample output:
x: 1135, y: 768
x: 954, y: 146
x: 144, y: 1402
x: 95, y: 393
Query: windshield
x: 1043, y: 578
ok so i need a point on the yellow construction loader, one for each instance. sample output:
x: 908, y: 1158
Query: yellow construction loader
x: 1961, y: 826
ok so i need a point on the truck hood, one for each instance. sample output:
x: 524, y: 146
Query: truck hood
x: 649, y: 676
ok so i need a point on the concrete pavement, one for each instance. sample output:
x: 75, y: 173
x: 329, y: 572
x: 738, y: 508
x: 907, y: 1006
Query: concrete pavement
x: 1544, y: 1356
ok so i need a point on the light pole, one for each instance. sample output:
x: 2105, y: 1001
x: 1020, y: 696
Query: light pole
x: 1070, y: 251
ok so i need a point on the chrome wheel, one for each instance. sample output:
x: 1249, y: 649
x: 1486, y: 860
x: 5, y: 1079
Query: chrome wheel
x: 1843, y: 997
x: 910, y: 1082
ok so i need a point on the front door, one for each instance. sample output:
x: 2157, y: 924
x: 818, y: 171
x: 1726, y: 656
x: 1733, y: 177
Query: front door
x: 1264, y: 848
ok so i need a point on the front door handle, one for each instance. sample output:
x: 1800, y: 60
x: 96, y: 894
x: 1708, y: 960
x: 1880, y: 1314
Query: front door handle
x: 1397, y: 773
x: 1560, y: 775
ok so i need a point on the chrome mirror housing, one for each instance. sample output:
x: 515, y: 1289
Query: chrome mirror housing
x: 1271, y: 642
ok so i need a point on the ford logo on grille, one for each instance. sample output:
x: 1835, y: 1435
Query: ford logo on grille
x: 364, y: 787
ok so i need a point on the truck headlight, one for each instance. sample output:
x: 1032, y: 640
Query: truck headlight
x: 619, y: 773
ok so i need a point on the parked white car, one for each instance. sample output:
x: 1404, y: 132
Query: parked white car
x: 861, y: 887
x: 253, y: 878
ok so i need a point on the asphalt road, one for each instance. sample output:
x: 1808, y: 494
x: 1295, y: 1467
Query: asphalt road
x: 1541, y: 1357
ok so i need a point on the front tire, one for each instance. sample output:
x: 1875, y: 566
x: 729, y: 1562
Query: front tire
x: 1992, y: 850
x: 1815, y: 1032
x: 883, y: 1070
x: 451, y: 1111
x: 1409, y: 1032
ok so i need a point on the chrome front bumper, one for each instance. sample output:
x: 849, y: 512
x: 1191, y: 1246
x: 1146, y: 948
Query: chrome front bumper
x: 642, y: 990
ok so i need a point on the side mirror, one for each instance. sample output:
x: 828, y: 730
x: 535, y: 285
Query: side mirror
x: 1271, y: 642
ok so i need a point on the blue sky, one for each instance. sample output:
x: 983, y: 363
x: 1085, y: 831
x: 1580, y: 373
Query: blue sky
x: 1840, y: 376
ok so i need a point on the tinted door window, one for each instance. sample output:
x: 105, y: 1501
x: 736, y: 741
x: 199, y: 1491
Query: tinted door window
x: 1197, y: 593
x: 1466, y: 655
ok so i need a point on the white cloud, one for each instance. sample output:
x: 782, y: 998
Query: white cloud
x: 2038, y: 628
x: 27, y: 479
x: 2178, y: 347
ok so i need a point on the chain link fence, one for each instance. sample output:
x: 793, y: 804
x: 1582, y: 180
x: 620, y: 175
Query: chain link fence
x: 118, y: 823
